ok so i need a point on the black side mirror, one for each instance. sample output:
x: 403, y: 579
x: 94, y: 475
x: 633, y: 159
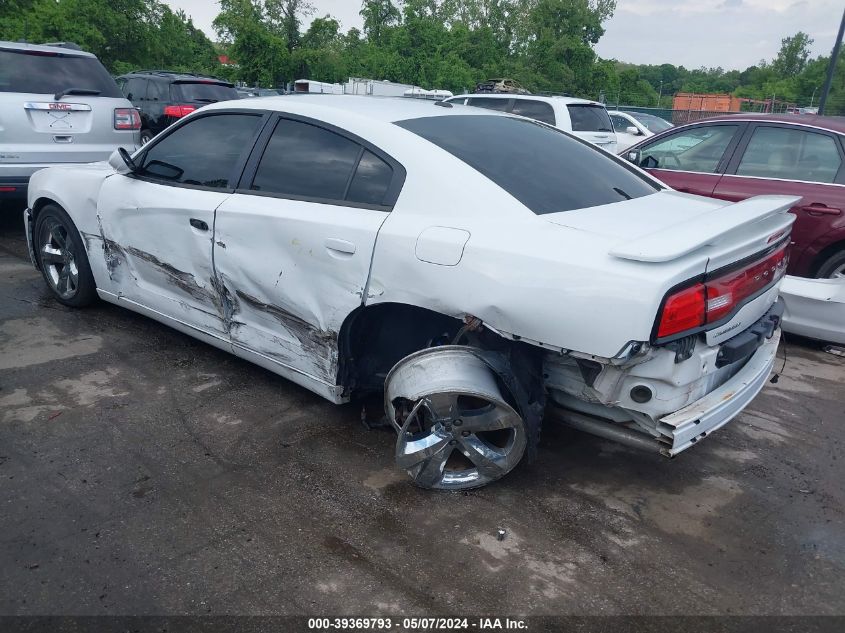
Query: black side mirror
x: 127, y: 159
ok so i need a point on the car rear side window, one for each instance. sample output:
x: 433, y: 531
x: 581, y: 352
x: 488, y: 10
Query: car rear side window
x: 589, y: 118
x: 491, y: 103
x: 538, y: 110
x: 203, y: 152
x: 49, y: 73
x: 304, y: 161
x: 778, y: 152
x: 545, y: 169
x: 204, y: 92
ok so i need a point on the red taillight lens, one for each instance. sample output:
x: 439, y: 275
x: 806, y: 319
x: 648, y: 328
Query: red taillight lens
x: 178, y: 111
x: 683, y: 310
x: 127, y: 119
x: 726, y: 292
x: 713, y: 300
x: 7, y: 189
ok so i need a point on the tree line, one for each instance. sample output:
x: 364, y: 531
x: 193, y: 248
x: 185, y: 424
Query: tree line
x: 547, y: 45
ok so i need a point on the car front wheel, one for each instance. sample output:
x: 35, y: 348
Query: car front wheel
x: 62, y: 258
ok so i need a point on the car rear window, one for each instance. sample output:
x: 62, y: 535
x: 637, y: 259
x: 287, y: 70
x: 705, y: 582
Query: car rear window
x: 589, y: 118
x: 545, y: 169
x: 49, y: 73
x: 207, y: 92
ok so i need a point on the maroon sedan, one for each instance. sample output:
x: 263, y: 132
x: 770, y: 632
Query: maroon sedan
x: 737, y: 156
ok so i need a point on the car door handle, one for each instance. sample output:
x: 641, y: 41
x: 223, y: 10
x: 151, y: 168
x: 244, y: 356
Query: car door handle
x: 199, y: 224
x: 821, y: 209
x: 340, y: 246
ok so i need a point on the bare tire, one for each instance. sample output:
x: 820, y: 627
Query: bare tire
x: 62, y: 258
x: 456, y: 430
x: 833, y: 267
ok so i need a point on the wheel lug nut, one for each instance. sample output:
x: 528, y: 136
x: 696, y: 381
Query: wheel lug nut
x: 465, y: 433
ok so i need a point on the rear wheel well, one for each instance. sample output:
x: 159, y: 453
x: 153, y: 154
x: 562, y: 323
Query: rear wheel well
x: 826, y: 253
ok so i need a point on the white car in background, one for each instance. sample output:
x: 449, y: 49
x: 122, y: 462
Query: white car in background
x: 632, y: 127
x: 482, y: 270
x: 585, y: 119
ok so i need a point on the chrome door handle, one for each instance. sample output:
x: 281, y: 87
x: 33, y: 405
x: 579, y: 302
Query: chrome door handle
x: 340, y: 246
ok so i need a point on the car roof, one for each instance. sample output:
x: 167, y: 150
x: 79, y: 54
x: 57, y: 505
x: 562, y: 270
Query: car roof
x: 173, y: 75
x: 834, y: 124
x: 384, y: 109
x: 40, y: 48
x: 550, y: 99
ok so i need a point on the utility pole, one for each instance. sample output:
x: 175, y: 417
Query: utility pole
x: 813, y: 98
x: 832, y: 66
x: 660, y: 95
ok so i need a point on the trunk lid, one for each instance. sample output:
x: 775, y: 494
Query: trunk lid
x: 669, y: 225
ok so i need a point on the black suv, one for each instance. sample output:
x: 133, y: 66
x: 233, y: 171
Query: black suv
x: 163, y: 97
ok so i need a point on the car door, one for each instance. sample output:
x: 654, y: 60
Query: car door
x: 792, y: 160
x: 293, y: 245
x: 692, y: 159
x: 157, y: 224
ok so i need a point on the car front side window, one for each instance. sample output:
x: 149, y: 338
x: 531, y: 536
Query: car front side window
x: 698, y: 149
x: 203, y: 152
x: 790, y: 154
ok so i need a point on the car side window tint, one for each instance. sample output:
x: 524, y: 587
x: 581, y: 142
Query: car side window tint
x: 619, y: 123
x: 157, y: 91
x: 490, y: 103
x: 790, y: 154
x: 136, y: 89
x: 203, y: 152
x: 699, y: 149
x: 371, y: 181
x: 537, y: 110
x: 307, y: 161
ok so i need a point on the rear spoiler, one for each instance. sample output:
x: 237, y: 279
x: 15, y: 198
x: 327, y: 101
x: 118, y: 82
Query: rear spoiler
x: 709, y: 228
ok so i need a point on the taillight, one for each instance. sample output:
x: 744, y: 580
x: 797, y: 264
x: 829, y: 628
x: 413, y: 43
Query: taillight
x: 716, y: 298
x: 178, y: 111
x: 127, y: 119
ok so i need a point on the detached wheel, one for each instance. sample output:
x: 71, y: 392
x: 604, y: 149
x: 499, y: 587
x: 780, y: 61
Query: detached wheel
x: 456, y: 430
x: 833, y: 267
x: 62, y: 257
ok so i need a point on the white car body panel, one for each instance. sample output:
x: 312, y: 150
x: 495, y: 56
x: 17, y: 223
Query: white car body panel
x: 815, y: 308
x: 273, y: 280
x: 625, y: 139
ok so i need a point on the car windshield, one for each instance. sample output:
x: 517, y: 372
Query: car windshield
x: 652, y: 123
x: 36, y: 72
x: 207, y: 92
x: 589, y: 118
x: 545, y: 169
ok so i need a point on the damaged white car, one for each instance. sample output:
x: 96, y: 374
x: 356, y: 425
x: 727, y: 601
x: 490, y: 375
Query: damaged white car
x: 483, y: 270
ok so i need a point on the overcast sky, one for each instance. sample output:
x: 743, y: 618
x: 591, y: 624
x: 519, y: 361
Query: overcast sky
x: 692, y: 33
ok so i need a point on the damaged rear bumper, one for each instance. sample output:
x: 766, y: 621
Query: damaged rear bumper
x: 685, y: 427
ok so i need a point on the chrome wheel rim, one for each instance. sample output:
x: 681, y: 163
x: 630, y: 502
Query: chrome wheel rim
x: 58, y: 258
x: 838, y: 272
x: 453, y: 438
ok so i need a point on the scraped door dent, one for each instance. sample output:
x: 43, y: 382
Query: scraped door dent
x: 155, y: 257
x: 289, y: 303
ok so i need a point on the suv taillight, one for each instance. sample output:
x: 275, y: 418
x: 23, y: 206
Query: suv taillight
x: 178, y: 111
x: 127, y: 119
x: 714, y: 299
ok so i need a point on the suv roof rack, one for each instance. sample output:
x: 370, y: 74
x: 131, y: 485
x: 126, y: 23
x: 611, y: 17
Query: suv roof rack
x: 70, y: 45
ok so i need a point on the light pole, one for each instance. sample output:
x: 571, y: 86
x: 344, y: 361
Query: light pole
x: 832, y: 66
x: 814, y: 96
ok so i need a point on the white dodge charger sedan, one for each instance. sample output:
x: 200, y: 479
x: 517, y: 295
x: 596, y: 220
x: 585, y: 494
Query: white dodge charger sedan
x: 482, y: 270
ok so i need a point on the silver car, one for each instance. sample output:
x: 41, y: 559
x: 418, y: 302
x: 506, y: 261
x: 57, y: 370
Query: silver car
x: 58, y: 105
